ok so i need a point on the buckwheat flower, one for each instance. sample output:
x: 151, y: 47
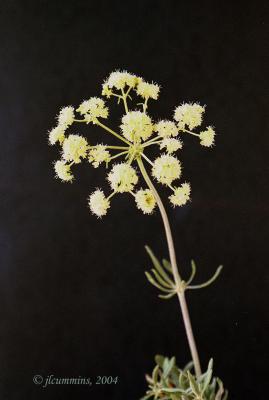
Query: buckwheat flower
x: 145, y: 201
x: 166, y: 169
x: 56, y: 135
x: 148, y: 90
x: 75, y: 147
x: 122, y: 178
x: 119, y: 79
x: 166, y: 129
x: 63, y: 171
x: 181, y: 195
x: 98, y: 203
x: 93, y: 108
x: 66, y: 116
x: 98, y: 154
x: 171, y: 145
x: 136, y: 125
x: 189, y: 114
x: 207, y: 137
x: 106, y: 91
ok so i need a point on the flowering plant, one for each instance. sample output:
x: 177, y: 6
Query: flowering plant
x: 137, y: 133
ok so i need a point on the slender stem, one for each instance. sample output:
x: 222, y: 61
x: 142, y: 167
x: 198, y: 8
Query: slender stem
x: 147, y: 159
x: 191, y: 133
x: 118, y: 155
x: 124, y: 101
x: 112, y: 132
x: 177, y: 278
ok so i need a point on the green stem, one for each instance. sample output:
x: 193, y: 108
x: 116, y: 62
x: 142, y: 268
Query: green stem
x: 124, y: 101
x: 177, y: 278
x: 112, y: 132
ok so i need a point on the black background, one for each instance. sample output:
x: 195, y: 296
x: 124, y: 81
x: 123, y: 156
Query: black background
x: 74, y: 298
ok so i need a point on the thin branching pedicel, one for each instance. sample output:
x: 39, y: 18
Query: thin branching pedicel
x: 127, y: 161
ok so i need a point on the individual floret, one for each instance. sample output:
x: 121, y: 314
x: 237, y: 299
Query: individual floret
x: 166, y: 129
x: 66, y: 117
x: 63, y: 171
x: 148, y: 90
x: 207, y: 137
x: 57, y: 135
x: 98, y: 203
x: 171, y: 145
x: 119, y: 79
x: 122, y: 178
x: 75, y: 147
x: 145, y: 201
x: 136, y: 125
x: 181, y: 195
x: 189, y: 114
x: 166, y: 169
x: 98, y: 154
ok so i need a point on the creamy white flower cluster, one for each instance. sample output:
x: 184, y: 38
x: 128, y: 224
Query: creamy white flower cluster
x: 137, y: 133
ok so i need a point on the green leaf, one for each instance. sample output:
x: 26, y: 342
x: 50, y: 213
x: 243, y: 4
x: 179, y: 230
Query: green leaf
x: 167, y: 265
x: 207, y: 283
x: 159, y: 359
x: 155, y: 374
x: 161, y: 280
x: 157, y: 265
x: 193, y: 384
x: 154, y: 283
x: 167, y: 366
x: 166, y: 296
x: 174, y: 390
x: 193, y: 272
x: 208, y: 376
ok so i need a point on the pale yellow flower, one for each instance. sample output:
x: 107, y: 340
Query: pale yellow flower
x: 145, y: 200
x: 189, y: 114
x: 119, y: 79
x: 98, y: 154
x: 148, y: 90
x: 171, y: 145
x: 207, y: 137
x: 181, y: 195
x: 166, y: 129
x: 66, y: 116
x: 166, y: 169
x: 122, y: 178
x: 93, y: 108
x: 63, y: 171
x: 98, y: 203
x: 75, y: 147
x: 136, y: 125
x: 57, y: 135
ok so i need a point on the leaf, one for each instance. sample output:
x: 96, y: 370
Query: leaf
x: 193, y: 384
x: 166, y: 296
x: 154, y: 283
x: 167, y: 265
x: 159, y: 359
x: 174, y: 390
x: 167, y: 366
x: 155, y: 374
x: 157, y: 265
x: 193, y: 272
x: 161, y: 280
x: 207, y: 283
x: 220, y: 391
x: 208, y: 376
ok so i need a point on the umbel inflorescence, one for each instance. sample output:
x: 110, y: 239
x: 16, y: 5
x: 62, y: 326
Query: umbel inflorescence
x: 136, y: 134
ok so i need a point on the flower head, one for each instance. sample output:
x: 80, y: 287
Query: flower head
x: 136, y: 125
x: 57, y: 135
x: 166, y: 169
x: 148, y: 90
x: 189, y: 114
x: 119, y: 79
x: 66, y: 116
x: 171, y: 145
x: 98, y: 154
x: 63, y: 171
x: 98, y: 203
x: 166, y: 129
x: 181, y: 195
x: 75, y: 147
x: 93, y: 108
x: 207, y: 137
x: 145, y: 200
x: 122, y: 178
